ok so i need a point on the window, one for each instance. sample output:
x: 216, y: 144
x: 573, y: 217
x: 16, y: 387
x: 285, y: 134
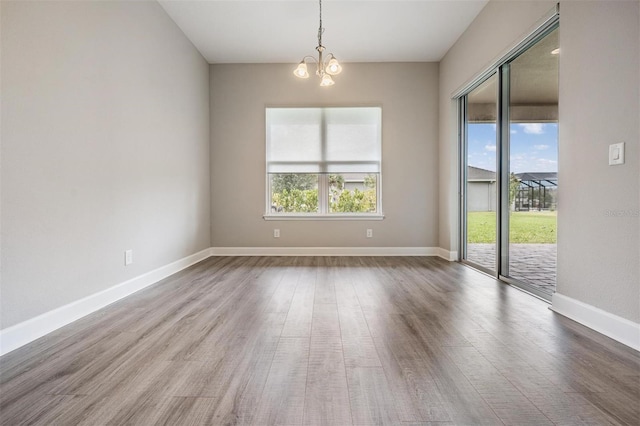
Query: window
x: 323, y: 162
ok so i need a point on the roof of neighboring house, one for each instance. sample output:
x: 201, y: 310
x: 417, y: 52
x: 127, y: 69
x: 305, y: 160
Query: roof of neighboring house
x: 482, y: 175
x: 476, y: 173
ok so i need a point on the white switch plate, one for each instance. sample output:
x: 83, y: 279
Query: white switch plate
x: 616, y: 154
x: 276, y: 233
x: 128, y: 257
x: 369, y: 233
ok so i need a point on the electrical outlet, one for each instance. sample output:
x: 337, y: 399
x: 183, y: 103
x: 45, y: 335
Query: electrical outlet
x: 276, y: 233
x: 128, y: 257
x: 369, y: 233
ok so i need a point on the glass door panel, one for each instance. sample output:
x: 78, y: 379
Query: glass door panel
x: 533, y: 166
x: 480, y: 188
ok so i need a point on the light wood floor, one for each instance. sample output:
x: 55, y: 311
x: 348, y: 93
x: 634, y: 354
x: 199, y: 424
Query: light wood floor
x: 323, y: 341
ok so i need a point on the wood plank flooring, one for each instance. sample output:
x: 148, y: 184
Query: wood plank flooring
x: 323, y: 341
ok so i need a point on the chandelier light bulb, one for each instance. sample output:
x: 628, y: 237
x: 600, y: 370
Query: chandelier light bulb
x: 326, y: 80
x: 333, y: 67
x: 301, y: 70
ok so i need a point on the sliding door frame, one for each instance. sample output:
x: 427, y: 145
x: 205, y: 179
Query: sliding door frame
x: 502, y: 69
x: 462, y: 200
x: 463, y: 145
x: 502, y: 170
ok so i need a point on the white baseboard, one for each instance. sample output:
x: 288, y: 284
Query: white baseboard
x: 326, y: 251
x: 618, y: 328
x: 18, y: 335
x: 451, y: 256
x: 13, y: 337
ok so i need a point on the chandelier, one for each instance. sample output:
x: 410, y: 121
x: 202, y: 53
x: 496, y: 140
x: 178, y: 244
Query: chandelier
x: 324, y: 70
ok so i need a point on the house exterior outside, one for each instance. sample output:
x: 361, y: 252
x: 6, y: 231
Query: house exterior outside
x: 481, y: 190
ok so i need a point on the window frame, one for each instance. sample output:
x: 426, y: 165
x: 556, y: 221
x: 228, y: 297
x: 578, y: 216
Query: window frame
x: 323, y: 185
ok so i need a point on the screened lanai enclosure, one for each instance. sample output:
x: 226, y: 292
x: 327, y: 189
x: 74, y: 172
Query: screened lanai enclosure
x: 536, y: 191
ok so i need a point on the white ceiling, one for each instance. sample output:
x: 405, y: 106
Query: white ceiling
x: 266, y: 31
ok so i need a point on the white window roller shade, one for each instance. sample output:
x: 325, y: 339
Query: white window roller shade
x: 323, y: 140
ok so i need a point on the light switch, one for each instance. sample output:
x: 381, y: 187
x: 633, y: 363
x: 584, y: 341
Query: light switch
x: 616, y: 154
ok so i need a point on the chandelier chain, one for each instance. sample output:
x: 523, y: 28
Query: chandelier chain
x: 320, y: 29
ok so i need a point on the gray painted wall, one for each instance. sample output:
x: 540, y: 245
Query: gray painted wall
x: 598, y: 255
x: 408, y: 94
x: 598, y: 219
x: 105, y: 147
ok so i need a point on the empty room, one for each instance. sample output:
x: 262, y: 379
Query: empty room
x: 319, y: 212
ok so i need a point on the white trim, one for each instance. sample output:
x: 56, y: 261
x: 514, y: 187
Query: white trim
x: 325, y: 251
x: 327, y: 216
x: 13, y: 337
x: 18, y: 335
x: 451, y: 256
x: 618, y: 328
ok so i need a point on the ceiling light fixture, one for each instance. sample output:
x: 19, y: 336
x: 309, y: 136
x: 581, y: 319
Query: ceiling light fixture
x: 555, y: 51
x: 324, y: 70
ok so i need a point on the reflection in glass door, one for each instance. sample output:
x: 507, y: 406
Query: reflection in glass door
x: 480, y: 216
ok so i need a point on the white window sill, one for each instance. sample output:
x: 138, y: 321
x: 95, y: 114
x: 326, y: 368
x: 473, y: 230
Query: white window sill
x: 293, y: 216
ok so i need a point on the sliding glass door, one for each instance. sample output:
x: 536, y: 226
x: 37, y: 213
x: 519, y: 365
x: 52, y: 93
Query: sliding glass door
x: 480, y: 185
x: 533, y: 167
x: 509, y: 174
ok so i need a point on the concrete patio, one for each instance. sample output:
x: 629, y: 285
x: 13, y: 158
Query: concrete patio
x: 534, y: 264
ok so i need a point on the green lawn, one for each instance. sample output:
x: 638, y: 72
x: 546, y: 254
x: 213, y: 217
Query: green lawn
x: 526, y: 227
